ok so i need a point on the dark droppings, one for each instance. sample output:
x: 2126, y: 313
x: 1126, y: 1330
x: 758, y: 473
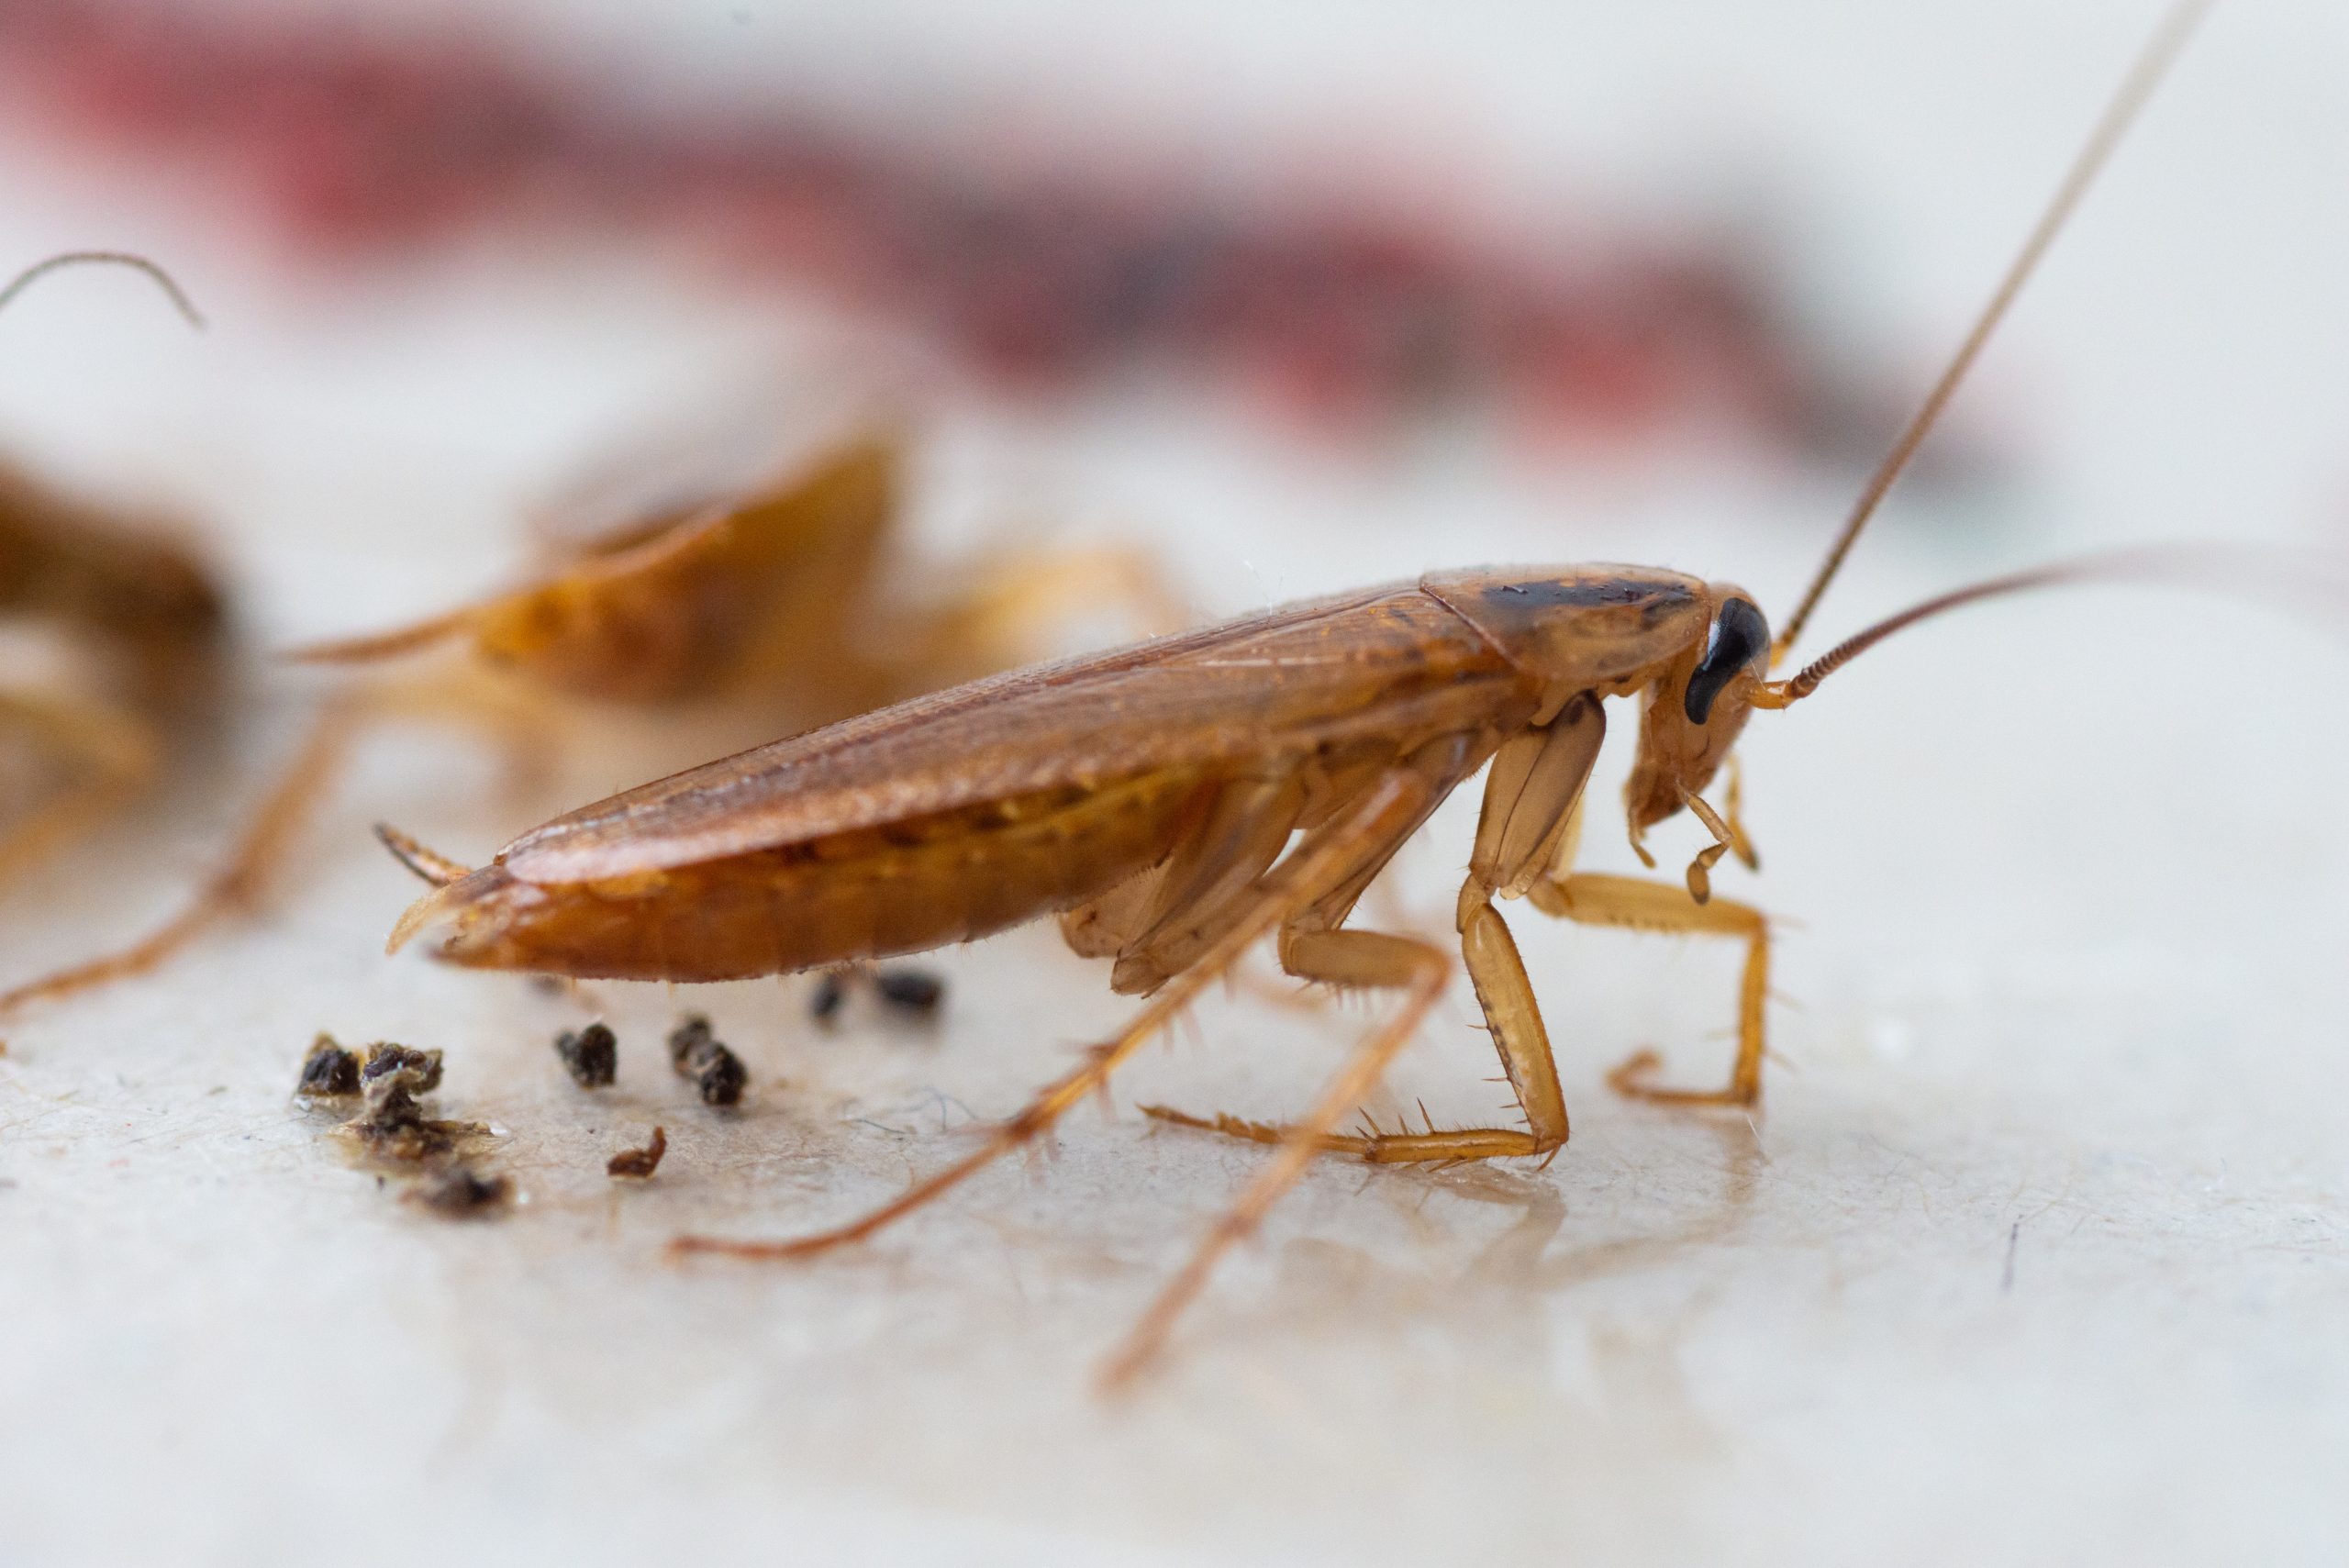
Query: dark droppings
x: 914, y: 990
x: 831, y: 990
x: 592, y: 1056
x: 329, y: 1070
x: 391, y: 1125
x: 696, y: 1053
x: 459, y: 1192
x: 639, y: 1163
x: 419, y: 1069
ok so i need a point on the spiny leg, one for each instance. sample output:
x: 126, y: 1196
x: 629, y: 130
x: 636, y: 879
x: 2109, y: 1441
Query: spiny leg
x: 236, y: 886
x: 1510, y: 1013
x: 1390, y: 808
x: 1529, y: 820
x: 1634, y: 904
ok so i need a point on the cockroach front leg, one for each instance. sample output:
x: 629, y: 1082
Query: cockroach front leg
x: 1634, y: 904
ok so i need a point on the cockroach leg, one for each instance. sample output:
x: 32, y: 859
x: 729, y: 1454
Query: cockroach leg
x: 1632, y: 903
x: 1348, y: 958
x: 1514, y: 1020
x: 1384, y: 815
x: 1740, y: 844
x: 1700, y: 878
x: 237, y: 886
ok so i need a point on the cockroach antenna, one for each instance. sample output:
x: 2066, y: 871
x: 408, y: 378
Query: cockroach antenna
x: 162, y: 279
x: 2152, y: 62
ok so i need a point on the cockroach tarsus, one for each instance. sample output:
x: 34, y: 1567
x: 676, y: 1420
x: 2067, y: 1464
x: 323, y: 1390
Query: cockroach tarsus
x: 1149, y: 797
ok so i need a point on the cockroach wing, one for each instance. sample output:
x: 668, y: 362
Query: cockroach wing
x: 1389, y: 664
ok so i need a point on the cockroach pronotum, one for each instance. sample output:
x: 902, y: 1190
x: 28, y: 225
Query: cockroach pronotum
x: 1146, y: 796
x: 742, y: 577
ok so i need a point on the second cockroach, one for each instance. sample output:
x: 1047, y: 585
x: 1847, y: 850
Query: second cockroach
x: 1149, y: 797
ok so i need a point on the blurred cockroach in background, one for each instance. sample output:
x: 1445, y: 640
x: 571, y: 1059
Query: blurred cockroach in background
x: 113, y: 641
x: 742, y: 583
x: 1177, y: 802
x: 1336, y: 312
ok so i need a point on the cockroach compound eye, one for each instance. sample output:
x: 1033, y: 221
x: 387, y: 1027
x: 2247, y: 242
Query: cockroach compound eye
x: 1740, y: 637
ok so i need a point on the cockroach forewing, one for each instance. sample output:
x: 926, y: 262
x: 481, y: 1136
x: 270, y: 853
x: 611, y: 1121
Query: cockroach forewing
x: 951, y: 817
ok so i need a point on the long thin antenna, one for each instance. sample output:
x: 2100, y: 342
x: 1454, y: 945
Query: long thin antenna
x: 163, y: 280
x: 2320, y: 583
x: 2152, y: 61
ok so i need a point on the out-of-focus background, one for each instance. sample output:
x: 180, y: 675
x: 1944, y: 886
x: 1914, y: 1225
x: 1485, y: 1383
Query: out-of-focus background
x: 2037, y: 1253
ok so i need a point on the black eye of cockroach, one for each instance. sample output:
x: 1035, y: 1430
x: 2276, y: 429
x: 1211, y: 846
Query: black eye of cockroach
x: 1738, y: 633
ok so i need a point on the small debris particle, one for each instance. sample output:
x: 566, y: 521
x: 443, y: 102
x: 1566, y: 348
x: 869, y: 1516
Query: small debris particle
x: 459, y: 1192
x: 914, y: 990
x: 391, y: 1125
x: 696, y: 1053
x: 831, y: 990
x: 384, y: 1058
x: 639, y: 1163
x: 592, y: 1056
x: 329, y: 1070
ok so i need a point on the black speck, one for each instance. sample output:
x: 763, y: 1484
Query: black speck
x: 830, y: 992
x: 329, y: 1070
x: 459, y: 1193
x: 915, y: 990
x: 696, y: 1053
x: 592, y: 1056
x: 421, y: 1067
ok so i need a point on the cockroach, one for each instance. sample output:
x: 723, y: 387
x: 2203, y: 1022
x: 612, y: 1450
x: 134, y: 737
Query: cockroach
x: 744, y: 577
x: 112, y: 641
x: 1149, y: 797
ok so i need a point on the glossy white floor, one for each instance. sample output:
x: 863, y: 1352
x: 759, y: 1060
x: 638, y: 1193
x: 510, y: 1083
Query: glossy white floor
x: 2037, y: 1255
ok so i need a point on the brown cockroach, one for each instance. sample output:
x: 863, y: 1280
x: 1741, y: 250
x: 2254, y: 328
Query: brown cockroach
x: 112, y: 639
x: 1149, y: 797
x: 736, y: 580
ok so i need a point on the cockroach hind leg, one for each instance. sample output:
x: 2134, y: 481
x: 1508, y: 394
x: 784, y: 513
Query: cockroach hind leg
x: 1257, y: 1132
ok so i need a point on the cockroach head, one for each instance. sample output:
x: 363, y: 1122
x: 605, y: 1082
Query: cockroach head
x: 1696, y: 710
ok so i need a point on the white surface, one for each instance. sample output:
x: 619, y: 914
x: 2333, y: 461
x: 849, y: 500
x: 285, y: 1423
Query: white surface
x: 2039, y: 1257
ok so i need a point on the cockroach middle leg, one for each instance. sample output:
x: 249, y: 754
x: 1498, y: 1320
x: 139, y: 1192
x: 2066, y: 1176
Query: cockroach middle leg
x: 1632, y: 903
x: 1505, y: 994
